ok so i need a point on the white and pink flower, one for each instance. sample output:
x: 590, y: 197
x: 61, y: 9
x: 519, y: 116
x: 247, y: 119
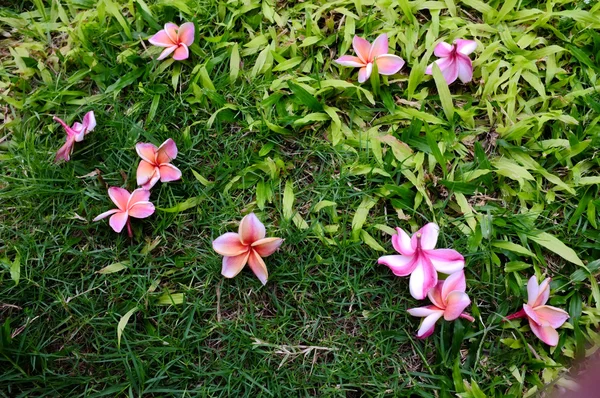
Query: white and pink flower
x: 419, y: 259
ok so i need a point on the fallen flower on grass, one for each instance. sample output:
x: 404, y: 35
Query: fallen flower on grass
x: 155, y: 164
x: 449, y: 300
x: 176, y: 39
x: 135, y: 204
x: 419, y: 259
x: 454, y: 60
x: 543, y: 319
x: 387, y: 64
x: 249, y: 245
x: 76, y: 133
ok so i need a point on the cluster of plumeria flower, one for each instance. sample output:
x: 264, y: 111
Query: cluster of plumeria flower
x: 248, y: 246
x: 155, y: 165
x: 418, y: 256
x: 454, y: 61
x: 419, y: 259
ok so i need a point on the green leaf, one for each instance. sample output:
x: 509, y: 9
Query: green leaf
x: 361, y: 216
x: 288, y: 200
x: 261, y: 60
x: 516, y: 266
x: 114, y: 267
x: 444, y: 92
x: 201, y: 179
x: 170, y: 299
x: 555, y: 245
x: 305, y: 98
x: 513, y: 247
x: 188, y: 204
x: 509, y: 168
x: 116, y: 12
x: 234, y: 63
x: 15, y: 269
x: 466, y: 209
x: 323, y: 204
x: 311, y: 118
x: 122, y: 323
x: 205, y: 79
x: 371, y: 242
x: 288, y: 64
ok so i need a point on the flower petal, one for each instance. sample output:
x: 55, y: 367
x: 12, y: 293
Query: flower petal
x: 168, y: 172
x: 186, y: 33
x: 171, y: 30
x: 400, y: 265
x: 555, y: 317
x: 443, y: 50
x: 166, y: 52
x: 119, y: 196
x: 141, y: 210
x: 68, y: 129
x: 428, y: 325
x: 465, y: 47
x: 79, y: 131
x: 547, y: 334
x: 64, y: 153
x: 466, y: 316
x: 153, y: 180
x: 229, y: 244
x: 379, y: 47
x: 166, y: 152
x: 349, y: 60
x: 423, y: 311
x: 532, y: 290
x: 429, y: 235
x: 233, y: 265
x: 422, y: 279
x: 258, y: 266
x: 531, y: 314
x: 450, y: 71
x: 181, y: 53
x: 402, y: 243
x: 146, y: 151
x: 267, y: 246
x: 456, y: 303
x: 446, y: 261
x: 365, y: 73
x: 106, y: 214
x: 455, y: 282
x: 145, y: 172
x: 89, y: 122
x: 465, y: 68
x: 435, y: 295
x: 543, y: 293
x: 161, y: 39
x: 139, y: 195
x: 118, y: 220
x: 389, y: 64
x: 251, y: 229
x: 362, y: 48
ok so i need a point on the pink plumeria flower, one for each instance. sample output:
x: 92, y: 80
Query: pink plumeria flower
x: 176, y: 39
x: 74, y: 134
x: 155, y: 164
x: 420, y: 260
x: 449, y: 301
x: 387, y: 64
x: 543, y: 319
x: 454, y: 60
x: 135, y: 204
x: 249, y: 245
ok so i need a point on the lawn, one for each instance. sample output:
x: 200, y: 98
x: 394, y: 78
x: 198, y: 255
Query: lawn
x: 266, y: 122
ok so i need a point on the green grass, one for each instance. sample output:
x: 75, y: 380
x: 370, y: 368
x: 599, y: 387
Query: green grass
x: 517, y: 158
